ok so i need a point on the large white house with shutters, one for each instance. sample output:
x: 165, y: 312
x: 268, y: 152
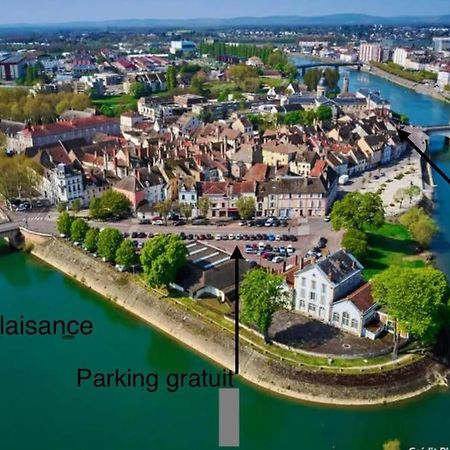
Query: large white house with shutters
x: 333, y: 291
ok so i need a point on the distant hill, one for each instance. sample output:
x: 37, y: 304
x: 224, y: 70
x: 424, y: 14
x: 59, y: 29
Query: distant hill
x: 270, y: 21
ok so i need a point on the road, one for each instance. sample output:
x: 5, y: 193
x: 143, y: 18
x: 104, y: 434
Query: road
x: 308, y: 233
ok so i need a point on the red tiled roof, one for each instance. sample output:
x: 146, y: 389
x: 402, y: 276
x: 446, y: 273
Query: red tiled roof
x: 256, y: 173
x: 362, y: 297
x: 214, y: 187
x: 318, y: 168
x: 68, y: 126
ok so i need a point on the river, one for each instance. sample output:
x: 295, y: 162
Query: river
x: 42, y: 409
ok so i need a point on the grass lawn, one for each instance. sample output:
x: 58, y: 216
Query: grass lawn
x: 390, y: 245
x: 117, y: 104
x: 273, y: 82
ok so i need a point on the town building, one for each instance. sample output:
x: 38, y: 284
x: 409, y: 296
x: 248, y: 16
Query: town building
x: 12, y: 67
x: 332, y: 290
x: 182, y: 47
x: 370, y: 52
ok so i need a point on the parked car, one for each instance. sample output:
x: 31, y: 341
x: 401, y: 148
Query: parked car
x: 277, y: 259
x: 285, y: 237
x: 326, y: 218
x: 39, y: 204
x: 142, y: 235
x: 242, y: 223
x: 182, y: 236
x: 157, y: 221
x: 271, y: 237
x: 209, y: 236
x: 179, y: 222
x: 231, y: 237
x: 245, y: 237
x: 293, y: 238
x: 290, y: 249
x: 190, y: 237
x: 199, y: 220
x: 278, y: 237
x: 218, y: 237
x: 250, y: 223
x: 134, y: 235
x: 144, y: 222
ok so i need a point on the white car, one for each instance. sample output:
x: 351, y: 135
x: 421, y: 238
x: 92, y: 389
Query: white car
x: 326, y: 218
x: 120, y: 268
x: 242, y: 223
x: 231, y: 237
x: 158, y: 222
x: 277, y: 259
x: 278, y: 237
x: 218, y: 237
x: 290, y: 249
x: 261, y: 245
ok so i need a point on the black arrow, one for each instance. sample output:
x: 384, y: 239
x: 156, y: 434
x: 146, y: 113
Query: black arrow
x: 418, y: 142
x: 237, y: 255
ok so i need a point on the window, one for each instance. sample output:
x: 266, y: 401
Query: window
x: 322, y: 312
x: 312, y: 295
x: 302, y: 304
x: 354, y: 323
x: 324, y: 288
x: 322, y: 299
x: 345, y: 319
x: 182, y: 197
x: 313, y: 284
x: 302, y: 293
x: 303, y: 281
x: 336, y: 317
x: 311, y: 307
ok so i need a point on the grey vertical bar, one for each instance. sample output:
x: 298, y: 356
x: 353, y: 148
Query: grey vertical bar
x: 229, y: 417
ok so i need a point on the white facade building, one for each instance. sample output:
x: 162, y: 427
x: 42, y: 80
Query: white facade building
x: 333, y: 291
x: 443, y: 79
x: 370, y: 52
x: 400, y: 56
x: 66, y: 185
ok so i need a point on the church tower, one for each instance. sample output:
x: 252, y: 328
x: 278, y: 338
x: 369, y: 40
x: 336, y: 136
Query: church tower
x: 322, y: 86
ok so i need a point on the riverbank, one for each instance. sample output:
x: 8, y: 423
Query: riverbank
x: 416, y: 87
x: 217, y: 344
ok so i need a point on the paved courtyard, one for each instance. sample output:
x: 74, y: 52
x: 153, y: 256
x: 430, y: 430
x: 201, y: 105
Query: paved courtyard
x: 299, y: 331
x: 400, y: 175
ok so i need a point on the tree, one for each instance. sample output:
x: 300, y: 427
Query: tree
x: 78, y: 230
x: 162, y: 257
x: 171, y: 78
x: 421, y: 226
x: 392, y: 445
x: 186, y: 210
x: 324, y: 113
x: 246, y: 207
x: 357, y: 211
x: 355, y: 241
x: 138, y: 90
x: 76, y: 206
x: 400, y: 196
x: 19, y: 177
x: 91, y: 239
x: 64, y: 223
x: 413, y: 191
x: 164, y: 207
x: 414, y: 298
x: 262, y: 294
x: 109, y: 241
x: 126, y: 254
x: 62, y: 206
x: 203, y: 206
x: 111, y: 204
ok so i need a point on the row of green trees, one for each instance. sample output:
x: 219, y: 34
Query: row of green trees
x: 412, y: 75
x: 17, y: 104
x: 161, y: 256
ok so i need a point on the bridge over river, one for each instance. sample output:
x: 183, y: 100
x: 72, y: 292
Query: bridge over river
x: 11, y: 232
x: 303, y: 67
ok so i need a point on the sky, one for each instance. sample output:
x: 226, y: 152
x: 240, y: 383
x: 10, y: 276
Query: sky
x: 51, y: 11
